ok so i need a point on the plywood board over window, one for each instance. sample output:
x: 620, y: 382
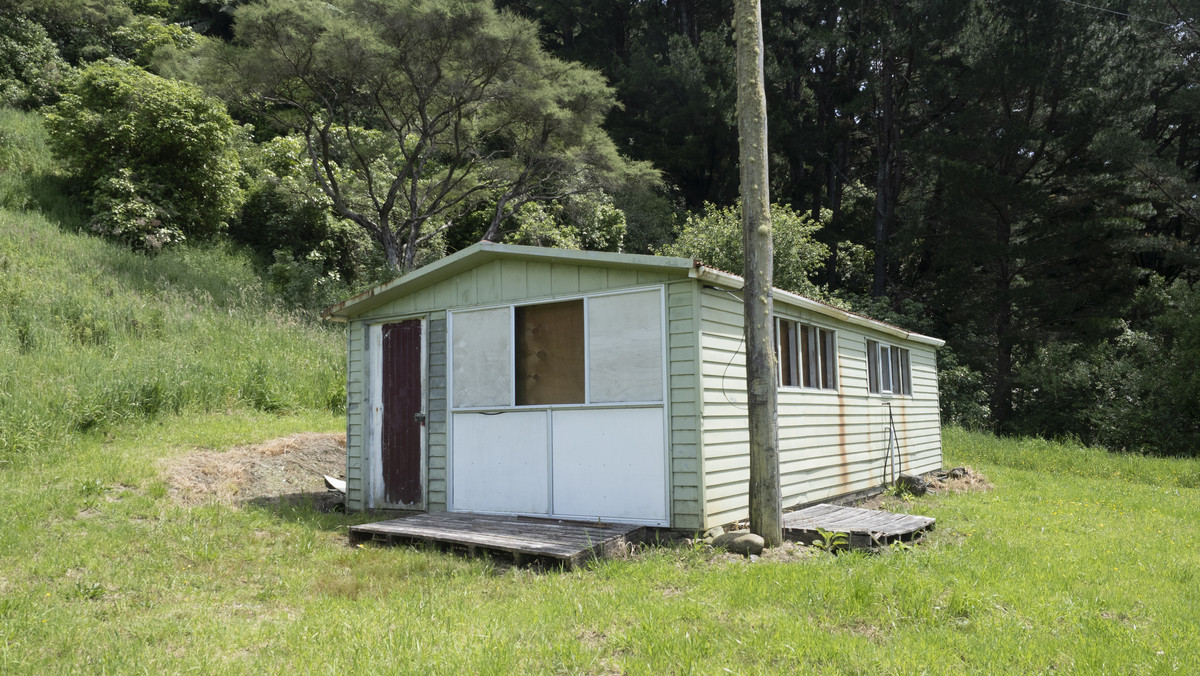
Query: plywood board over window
x: 550, y: 354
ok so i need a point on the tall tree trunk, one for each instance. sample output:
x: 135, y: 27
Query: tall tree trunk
x: 886, y: 187
x: 838, y: 167
x: 1002, y: 396
x: 765, y: 499
x: 390, y: 249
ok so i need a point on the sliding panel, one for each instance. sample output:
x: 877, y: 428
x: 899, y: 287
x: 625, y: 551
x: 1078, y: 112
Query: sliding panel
x: 625, y: 347
x: 481, y: 357
x: 611, y: 464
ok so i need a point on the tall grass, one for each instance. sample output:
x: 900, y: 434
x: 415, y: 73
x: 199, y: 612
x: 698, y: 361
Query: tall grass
x: 1066, y: 457
x: 30, y: 177
x: 93, y: 336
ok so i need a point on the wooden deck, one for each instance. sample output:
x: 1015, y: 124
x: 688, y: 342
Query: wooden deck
x: 569, y: 543
x: 867, y: 528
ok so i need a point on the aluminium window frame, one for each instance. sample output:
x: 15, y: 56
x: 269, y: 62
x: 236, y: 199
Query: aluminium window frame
x: 588, y: 403
x: 889, y: 369
x: 811, y: 356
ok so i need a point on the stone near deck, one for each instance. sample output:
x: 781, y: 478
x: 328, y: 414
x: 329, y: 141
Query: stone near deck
x: 740, y: 542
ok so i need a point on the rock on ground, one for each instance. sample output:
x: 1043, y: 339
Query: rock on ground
x: 740, y: 542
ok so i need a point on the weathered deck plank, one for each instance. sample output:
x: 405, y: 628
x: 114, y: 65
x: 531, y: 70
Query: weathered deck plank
x: 866, y: 528
x: 568, y: 542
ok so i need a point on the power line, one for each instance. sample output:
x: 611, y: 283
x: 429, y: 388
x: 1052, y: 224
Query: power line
x: 1113, y: 11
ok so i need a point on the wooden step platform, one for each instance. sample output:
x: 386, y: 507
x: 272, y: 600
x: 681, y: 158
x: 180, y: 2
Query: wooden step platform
x: 867, y: 528
x: 568, y: 543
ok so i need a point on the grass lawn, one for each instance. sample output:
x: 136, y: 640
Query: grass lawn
x: 1078, y: 561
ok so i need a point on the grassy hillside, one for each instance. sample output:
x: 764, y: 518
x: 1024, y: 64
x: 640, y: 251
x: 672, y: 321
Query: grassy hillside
x: 93, y: 336
x: 1079, y: 561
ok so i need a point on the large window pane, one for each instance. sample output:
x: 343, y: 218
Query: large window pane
x: 885, y: 368
x: 625, y: 347
x: 873, y: 366
x: 482, y: 357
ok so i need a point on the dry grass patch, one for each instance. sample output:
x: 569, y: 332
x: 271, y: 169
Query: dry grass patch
x: 287, y: 468
x: 968, y: 481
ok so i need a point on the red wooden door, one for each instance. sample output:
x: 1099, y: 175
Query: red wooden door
x: 403, y: 413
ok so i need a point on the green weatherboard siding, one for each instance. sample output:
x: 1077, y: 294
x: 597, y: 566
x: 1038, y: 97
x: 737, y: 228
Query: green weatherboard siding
x: 832, y: 441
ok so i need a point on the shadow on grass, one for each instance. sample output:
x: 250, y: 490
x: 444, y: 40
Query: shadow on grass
x: 60, y: 199
x: 318, y: 510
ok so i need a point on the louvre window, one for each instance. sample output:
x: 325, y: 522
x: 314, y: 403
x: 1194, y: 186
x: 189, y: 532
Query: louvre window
x: 807, y: 355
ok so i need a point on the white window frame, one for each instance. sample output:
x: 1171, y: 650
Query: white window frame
x: 822, y: 351
x: 510, y: 402
x: 889, y: 369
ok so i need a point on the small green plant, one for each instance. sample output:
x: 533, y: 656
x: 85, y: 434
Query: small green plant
x: 92, y: 487
x: 90, y: 591
x: 831, y: 541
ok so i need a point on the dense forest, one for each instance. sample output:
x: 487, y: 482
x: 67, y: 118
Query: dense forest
x: 1017, y: 177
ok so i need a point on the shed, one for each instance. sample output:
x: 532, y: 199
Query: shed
x: 602, y: 386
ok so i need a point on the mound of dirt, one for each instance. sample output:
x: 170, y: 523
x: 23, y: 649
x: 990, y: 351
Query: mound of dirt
x: 287, y: 469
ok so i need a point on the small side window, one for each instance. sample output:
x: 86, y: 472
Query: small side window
x: 807, y: 355
x: 888, y: 369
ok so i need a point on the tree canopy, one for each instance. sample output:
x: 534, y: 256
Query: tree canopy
x: 1018, y: 177
x: 416, y: 113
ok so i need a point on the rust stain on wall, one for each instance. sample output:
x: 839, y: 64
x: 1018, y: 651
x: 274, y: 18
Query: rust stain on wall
x: 842, y: 441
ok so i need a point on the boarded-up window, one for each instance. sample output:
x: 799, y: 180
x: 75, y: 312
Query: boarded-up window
x: 625, y: 347
x: 482, y: 357
x: 807, y: 355
x: 550, y: 353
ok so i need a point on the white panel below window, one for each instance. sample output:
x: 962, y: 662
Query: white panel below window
x: 611, y: 464
x: 500, y: 463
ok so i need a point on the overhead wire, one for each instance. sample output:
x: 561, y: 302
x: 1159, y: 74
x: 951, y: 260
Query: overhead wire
x: 1117, y: 12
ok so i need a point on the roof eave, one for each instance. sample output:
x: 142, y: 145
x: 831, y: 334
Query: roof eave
x: 481, y: 252
x: 732, y: 281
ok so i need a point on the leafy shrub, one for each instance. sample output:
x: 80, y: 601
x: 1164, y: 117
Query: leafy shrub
x: 143, y: 36
x: 305, y: 282
x: 30, y: 66
x: 714, y: 236
x: 156, y: 154
x: 961, y: 393
x: 583, y: 222
x: 312, y: 255
x: 1138, y: 391
x: 127, y: 211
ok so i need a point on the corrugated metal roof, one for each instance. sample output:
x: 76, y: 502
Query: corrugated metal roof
x: 483, y: 252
